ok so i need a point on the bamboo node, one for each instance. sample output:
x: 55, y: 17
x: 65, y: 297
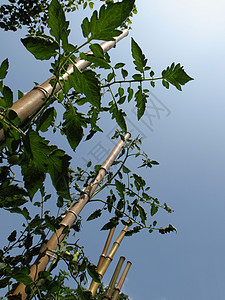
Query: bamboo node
x: 85, y: 193
x: 73, y: 212
x: 39, y: 87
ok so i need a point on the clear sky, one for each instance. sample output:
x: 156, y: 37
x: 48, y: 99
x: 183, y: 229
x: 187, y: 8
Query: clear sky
x: 185, y: 135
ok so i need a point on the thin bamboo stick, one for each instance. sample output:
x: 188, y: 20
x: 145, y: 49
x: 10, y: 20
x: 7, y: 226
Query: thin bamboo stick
x: 106, y: 247
x: 108, y: 259
x: 114, y: 278
x: 121, y: 281
x: 30, y: 103
x: 71, y: 215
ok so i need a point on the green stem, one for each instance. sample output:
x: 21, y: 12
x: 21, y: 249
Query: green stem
x: 130, y: 81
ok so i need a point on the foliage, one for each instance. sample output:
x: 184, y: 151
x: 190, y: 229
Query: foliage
x: 27, y: 150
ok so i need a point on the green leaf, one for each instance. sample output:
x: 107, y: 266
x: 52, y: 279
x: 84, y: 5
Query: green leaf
x: 167, y: 229
x: 57, y: 22
x: 119, y: 65
x: 130, y: 232
x: 92, y: 271
x: 12, y: 236
x: 130, y: 93
x: 126, y: 170
x: 46, y: 119
x: 97, y: 50
x: 112, y: 223
x: 120, y: 186
x: 139, y: 58
x: 95, y: 215
x: 110, y: 200
x: 86, y: 28
x: 8, y: 96
x: 11, y: 195
x: 119, y: 115
x: 154, y: 209
x: 103, y: 25
x: 87, y: 83
x: 141, y: 100
x: 4, y: 68
x: 24, y: 212
x: 22, y: 276
x: 40, y: 158
x: 42, y: 47
x: 72, y: 126
x: 143, y: 214
x: 97, y: 61
x: 176, y: 75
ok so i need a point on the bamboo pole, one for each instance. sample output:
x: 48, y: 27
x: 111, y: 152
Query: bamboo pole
x: 30, y: 103
x: 108, y: 259
x: 71, y: 215
x: 114, y: 278
x: 121, y: 281
x: 106, y: 247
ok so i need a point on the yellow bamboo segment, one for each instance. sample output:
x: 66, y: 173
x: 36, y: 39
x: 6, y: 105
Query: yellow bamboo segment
x: 71, y: 215
x: 30, y: 103
x: 121, y: 281
x: 114, y: 278
x: 108, y: 259
x: 106, y: 247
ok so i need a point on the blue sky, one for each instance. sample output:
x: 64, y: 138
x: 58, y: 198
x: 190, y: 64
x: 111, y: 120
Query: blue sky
x: 186, y: 138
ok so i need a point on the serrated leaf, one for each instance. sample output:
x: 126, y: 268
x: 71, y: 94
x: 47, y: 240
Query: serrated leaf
x: 85, y: 26
x: 103, y: 25
x: 87, y: 83
x: 119, y: 65
x: 143, y: 214
x: 176, y: 75
x: 154, y: 209
x: 119, y: 115
x: 141, y: 100
x: 139, y: 58
x: 130, y: 232
x: 167, y: 229
x: 92, y: 271
x: 119, y: 186
x: 22, y: 276
x: 4, y: 68
x: 24, y: 212
x: 8, y: 96
x: 46, y: 119
x: 97, y: 50
x: 42, y: 47
x: 57, y: 22
x: 40, y: 158
x: 72, y: 127
x: 110, y: 200
x: 95, y: 214
x: 12, y: 236
x: 12, y: 195
x: 97, y: 61
x: 130, y: 93
x: 112, y: 223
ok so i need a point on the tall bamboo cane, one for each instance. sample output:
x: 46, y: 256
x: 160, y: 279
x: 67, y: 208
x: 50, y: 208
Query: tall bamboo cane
x: 30, y: 103
x: 121, y: 281
x: 106, y: 247
x: 108, y: 259
x: 71, y: 215
x: 114, y: 278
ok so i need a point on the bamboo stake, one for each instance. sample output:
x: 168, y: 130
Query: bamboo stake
x: 108, y: 259
x: 114, y: 278
x: 30, y: 103
x: 106, y: 247
x: 121, y: 281
x: 71, y: 215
